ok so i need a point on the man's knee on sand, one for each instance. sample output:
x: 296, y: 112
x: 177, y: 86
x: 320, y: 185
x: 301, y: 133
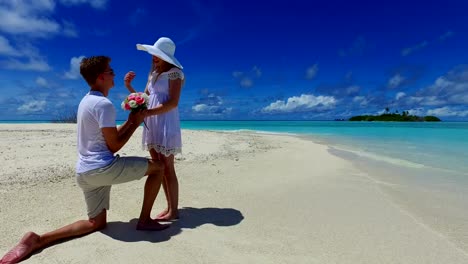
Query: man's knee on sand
x: 99, y: 222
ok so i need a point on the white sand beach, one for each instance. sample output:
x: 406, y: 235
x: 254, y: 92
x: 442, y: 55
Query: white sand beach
x: 244, y: 198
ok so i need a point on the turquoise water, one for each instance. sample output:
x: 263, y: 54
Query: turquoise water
x: 441, y: 145
x: 25, y: 121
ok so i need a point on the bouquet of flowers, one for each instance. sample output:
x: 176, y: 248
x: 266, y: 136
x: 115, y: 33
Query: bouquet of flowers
x: 136, y: 102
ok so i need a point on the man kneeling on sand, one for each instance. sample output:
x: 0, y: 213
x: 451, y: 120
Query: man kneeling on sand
x: 97, y: 167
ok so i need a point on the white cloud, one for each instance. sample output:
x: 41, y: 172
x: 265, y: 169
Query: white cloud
x: 458, y: 85
x: 41, y: 82
x: 200, y: 108
x: 27, y: 57
x: 400, y: 95
x: 361, y: 100
x: 74, y: 72
x: 237, y: 74
x: 246, y: 79
x: 29, y: 6
x: 212, y: 105
x: 452, y: 88
x: 98, y: 4
x: 311, y: 72
x: 353, y: 89
x: 6, y: 48
x: 408, y: 51
x: 446, y: 35
x: 211, y: 109
x: 32, y: 64
x: 69, y: 29
x: 395, y: 81
x: 257, y: 71
x: 441, y: 83
x: 32, y: 107
x: 417, y: 112
x: 379, y: 112
x: 34, y: 18
x: 447, y: 111
x: 449, y: 89
x: 304, y: 102
x: 427, y: 100
x: 28, y: 17
x: 246, y: 83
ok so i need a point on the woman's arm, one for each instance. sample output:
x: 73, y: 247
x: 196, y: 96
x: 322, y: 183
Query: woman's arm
x: 146, y: 87
x: 175, y: 87
x: 128, y: 81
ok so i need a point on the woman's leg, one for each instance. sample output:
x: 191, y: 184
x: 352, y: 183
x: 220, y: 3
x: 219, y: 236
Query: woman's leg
x: 157, y: 156
x: 172, y: 185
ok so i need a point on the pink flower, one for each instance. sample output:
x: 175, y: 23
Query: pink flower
x: 139, y: 100
x: 127, y: 106
x: 131, y: 97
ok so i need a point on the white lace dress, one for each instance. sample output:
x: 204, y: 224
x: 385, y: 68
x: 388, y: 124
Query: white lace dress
x: 163, y: 133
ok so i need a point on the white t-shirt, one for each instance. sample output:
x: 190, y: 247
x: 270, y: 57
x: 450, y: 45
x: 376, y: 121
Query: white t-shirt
x: 94, y: 112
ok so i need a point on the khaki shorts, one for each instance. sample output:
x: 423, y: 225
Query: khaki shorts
x: 96, y: 184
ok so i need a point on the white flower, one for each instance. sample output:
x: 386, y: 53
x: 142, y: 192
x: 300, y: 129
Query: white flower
x: 132, y: 103
x: 123, y: 105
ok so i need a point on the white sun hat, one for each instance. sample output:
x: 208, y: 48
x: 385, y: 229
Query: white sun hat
x: 163, y: 48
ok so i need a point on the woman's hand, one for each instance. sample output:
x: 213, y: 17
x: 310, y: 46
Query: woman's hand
x: 128, y: 79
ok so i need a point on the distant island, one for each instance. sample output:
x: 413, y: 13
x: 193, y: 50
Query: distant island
x: 395, y: 117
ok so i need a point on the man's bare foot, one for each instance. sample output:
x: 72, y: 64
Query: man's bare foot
x: 151, y: 225
x: 168, y: 217
x: 26, y: 246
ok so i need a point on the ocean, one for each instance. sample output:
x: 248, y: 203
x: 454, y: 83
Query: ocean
x: 442, y: 145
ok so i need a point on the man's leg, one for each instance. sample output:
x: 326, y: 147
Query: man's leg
x: 153, y: 184
x: 32, y: 241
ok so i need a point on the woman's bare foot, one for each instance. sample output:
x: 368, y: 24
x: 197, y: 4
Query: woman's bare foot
x: 26, y: 246
x: 163, y: 213
x: 151, y: 225
x: 169, y: 216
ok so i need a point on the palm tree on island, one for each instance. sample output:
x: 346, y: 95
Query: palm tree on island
x: 395, y: 117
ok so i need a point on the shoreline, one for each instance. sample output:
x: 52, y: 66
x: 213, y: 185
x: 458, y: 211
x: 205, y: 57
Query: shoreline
x: 245, y: 197
x: 436, y: 198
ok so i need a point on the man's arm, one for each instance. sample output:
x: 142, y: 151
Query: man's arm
x: 117, y: 137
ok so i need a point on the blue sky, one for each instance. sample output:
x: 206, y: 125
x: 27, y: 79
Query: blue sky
x: 291, y: 60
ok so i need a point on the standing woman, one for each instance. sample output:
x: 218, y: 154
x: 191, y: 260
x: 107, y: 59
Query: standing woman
x: 162, y: 136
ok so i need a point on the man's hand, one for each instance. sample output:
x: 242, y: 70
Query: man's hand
x: 129, y: 78
x: 136, y: 117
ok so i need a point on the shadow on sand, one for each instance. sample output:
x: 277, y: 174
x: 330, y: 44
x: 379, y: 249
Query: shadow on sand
x: 189, y: 218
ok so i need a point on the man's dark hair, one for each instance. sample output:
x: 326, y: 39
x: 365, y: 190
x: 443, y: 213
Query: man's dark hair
x: 91, y: 67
